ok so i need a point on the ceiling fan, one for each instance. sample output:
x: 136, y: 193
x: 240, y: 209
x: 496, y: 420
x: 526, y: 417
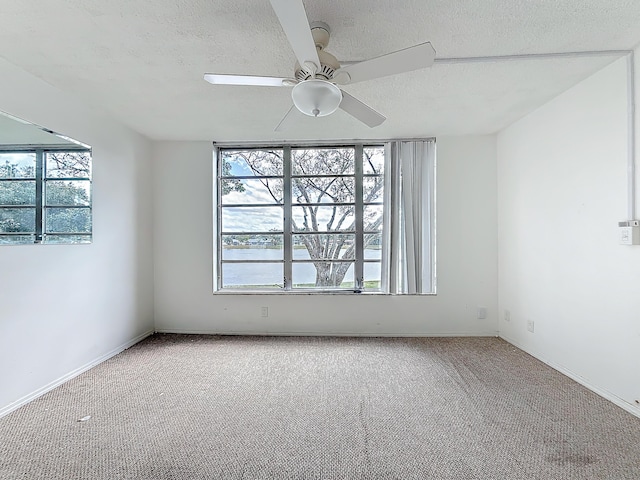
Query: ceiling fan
x: 317, y: 73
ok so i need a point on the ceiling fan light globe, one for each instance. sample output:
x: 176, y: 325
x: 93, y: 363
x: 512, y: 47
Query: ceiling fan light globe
x: 316, y: 98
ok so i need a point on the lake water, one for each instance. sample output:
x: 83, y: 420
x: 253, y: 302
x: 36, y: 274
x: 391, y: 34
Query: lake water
x: 270, y: 275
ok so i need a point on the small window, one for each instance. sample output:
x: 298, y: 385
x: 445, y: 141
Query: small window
x: 45, y: 195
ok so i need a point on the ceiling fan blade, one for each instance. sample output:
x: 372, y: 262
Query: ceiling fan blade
x: 407, y: 60
x: 247, y: 80
x: 295, y: 24
x: 291, y: 117
x: 361, y: 111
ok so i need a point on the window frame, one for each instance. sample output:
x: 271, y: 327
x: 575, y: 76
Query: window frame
x: 41, y: 206
x: 288, y: 233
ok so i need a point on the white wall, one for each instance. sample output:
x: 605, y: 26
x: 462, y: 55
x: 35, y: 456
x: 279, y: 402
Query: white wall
x: 562, y: 190
x: 466, y: 243
x: 64, y: 307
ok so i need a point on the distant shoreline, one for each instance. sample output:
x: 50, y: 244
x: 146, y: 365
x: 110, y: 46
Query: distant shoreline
x: 277, y: 247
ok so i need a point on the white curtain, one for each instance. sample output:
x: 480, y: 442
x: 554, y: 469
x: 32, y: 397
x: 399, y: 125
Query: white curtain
x: 409, y: 196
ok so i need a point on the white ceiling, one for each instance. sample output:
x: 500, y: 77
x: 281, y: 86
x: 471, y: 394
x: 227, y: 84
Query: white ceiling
x: 143, y: 60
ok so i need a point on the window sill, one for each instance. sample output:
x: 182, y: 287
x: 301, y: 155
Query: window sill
x: 324, y: 292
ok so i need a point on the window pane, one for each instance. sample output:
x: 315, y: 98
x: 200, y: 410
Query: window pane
x: 240, y: 163
x: 17, y: 220
x: 323, y: 161
x: 18, y: 192
x: 373, y: 189
x: 372, y: 217
x: 16, y: 239
x: 322, y: 275
x: 323, y: 219
x: 372, y: 275
x: 66, y: 239
x: 324, y: 247
x: 253, y: 275
x: 17, y: 165
x: 373, y: 160
x: 373, y: 246
x: 68, y: 164
x: 252, y: 247
x: 76, y: 192
x: 264, y: 190
x: 252, y: 219
x: 323, y: 190
x: 71, y: 220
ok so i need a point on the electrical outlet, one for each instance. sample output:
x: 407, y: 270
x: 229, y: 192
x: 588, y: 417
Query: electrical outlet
x: 507, y: 316
x: 264, y: 312
x: 531, y: 325
x: 629, y: 232
x: 482, y: 313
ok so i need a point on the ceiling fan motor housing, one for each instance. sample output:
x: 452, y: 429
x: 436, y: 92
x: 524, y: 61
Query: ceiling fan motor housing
x: 328, y: 65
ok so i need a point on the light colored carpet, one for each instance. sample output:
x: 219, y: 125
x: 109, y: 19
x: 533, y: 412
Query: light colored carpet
x: 208, y: 407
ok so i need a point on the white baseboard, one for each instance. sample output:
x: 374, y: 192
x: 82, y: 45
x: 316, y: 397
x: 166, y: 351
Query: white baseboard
x: 323, y: 334
x: 573, y: 376
x: 41, y: 391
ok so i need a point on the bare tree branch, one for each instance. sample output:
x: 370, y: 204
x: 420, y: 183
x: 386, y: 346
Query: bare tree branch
x: 322, y: 180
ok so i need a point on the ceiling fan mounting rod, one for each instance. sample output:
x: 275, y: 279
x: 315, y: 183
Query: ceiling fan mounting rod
x: 320, y: 32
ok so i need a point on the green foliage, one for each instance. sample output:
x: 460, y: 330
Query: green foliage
x: 68, y: 220
x: 230, y: 184
x: 15, y: 221
x: 247, y: 240
x: 15, y: 170
x: 17, y: 192
x: 68, y: 192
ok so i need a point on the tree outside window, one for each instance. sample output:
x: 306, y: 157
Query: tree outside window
x: 301, y: 218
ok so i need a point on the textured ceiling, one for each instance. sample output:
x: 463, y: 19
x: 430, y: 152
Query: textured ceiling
x: 143, y: 60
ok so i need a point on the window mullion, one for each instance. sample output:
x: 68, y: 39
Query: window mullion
x: 40, y: 174
x: 288, y: 240
x: 359, y: 214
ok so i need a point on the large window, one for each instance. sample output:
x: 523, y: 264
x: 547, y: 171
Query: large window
x: 45, y: 195
x: 304, y: 219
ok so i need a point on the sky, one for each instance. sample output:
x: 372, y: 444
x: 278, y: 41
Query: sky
x: 253, y: 218
x: 22, y: 159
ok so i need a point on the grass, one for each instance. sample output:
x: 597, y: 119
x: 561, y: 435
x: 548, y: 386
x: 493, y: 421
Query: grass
x: 368, y: 285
